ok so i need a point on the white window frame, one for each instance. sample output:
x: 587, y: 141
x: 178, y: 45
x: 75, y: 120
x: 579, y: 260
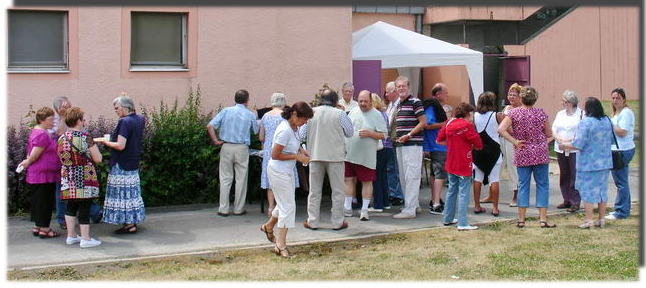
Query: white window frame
x: 183, y: 66
x: 43, y: 68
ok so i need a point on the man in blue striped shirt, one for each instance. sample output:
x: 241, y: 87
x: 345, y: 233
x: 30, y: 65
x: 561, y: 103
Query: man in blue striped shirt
x: 233, y: 125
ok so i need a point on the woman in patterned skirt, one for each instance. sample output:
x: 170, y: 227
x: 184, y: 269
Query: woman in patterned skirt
x: 79, y: 184
x: 123, y: 203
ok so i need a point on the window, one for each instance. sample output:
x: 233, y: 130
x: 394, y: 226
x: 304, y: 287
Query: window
x: 37, y: 41
x: 158, y: 41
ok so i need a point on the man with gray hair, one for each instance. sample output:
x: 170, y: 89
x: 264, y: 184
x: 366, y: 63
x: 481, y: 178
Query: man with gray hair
x: 395, y: 190
x: 347, y: 90
x: 325, y: 134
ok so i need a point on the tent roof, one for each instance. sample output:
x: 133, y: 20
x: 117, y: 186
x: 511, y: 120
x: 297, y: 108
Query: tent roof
x: 397, y: 47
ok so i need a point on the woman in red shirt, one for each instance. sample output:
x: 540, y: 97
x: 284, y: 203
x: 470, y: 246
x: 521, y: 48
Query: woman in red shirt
x: 461, y: 137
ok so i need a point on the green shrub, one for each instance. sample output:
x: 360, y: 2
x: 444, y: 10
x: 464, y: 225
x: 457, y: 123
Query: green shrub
x: 178, y: 161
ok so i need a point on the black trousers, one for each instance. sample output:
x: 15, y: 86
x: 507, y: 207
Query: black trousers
x: 42, y: 203
x: 80, y: 209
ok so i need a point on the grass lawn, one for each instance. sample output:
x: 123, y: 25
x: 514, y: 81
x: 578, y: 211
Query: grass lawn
x: 498, y: 251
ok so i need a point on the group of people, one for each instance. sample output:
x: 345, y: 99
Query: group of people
x: 61, y: 173
x: 382, y: 143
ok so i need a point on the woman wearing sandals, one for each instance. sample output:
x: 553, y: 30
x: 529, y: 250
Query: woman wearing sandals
x: 594, y: 141
x: 285, y: 151
x: 531, y: 155
x: 123, y: 203
x: 79, y: 184
x: 43, y: 171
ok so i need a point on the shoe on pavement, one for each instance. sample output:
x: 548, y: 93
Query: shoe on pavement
x: 563, y: 206
x: 307, y: 225
x: 343, y: 226
x: 90, y: 243
x: 611, y: 216
x: 73, y: 240
x: 437, y: 209
x: 453, y: 222
x: 513, y: 204
x: 468, y: 227
x: 404, y: 215
x: 347, y: 212
x: 388, y: 207
x: 364, y: 215
x: 370, y: 209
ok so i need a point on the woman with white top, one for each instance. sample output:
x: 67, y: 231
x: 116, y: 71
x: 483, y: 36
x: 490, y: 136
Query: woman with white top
x: 487, y: 162
x: 285, y: 151
x: 564, y: 129
x: 623, y: 121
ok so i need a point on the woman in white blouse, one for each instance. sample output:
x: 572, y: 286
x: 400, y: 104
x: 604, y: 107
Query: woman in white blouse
x: 564, y: 129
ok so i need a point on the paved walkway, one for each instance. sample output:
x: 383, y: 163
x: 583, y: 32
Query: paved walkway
x: 197, y: 229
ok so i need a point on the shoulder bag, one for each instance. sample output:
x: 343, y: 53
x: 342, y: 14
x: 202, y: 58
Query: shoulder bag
x: 617, y: 156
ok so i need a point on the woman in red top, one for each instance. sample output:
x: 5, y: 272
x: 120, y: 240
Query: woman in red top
x: 461, y: 137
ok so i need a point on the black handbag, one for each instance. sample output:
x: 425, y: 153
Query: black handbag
x: 487, y: 157
x: 617, y: 157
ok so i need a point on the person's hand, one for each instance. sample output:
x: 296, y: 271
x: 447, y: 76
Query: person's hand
x: 218, y: 142
x: 403, y: 139
x: 303, y: 159
x: 519, y: 144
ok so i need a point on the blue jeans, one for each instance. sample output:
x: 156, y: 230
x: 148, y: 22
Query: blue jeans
x: 459, y: 186
x: 542, y: 179
x: 622, y: 201
x: 380, y: 185
x: 95, y: 209
x: 394, y: 187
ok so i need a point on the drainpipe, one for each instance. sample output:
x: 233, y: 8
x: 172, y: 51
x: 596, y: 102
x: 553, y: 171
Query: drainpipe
x: 418, y: 23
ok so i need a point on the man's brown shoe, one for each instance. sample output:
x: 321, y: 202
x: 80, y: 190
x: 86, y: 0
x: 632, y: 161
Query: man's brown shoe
x: 343, y: 226
x: 307, y: 225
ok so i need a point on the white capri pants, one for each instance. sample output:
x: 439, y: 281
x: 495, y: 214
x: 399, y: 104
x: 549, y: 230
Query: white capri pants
x: 282, y: 184
x: 494, y: 176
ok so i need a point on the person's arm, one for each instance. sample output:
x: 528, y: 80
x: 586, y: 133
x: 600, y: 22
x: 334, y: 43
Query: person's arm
x: 261, y: 133
x: 95, y: 154
x: 346, y: 124
x: 623, y: 124
x: 213, y: 135
x: 441, y: 136
x: 119, y: 145
x: 302, y: 132
x: 421, y: 124
x: 33, y: 156
x: 502, y: 130
x: 277, y: 154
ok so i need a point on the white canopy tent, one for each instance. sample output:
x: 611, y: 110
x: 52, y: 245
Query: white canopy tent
x: 400, y: 48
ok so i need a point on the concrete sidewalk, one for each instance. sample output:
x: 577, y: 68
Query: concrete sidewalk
x: 197, y: 229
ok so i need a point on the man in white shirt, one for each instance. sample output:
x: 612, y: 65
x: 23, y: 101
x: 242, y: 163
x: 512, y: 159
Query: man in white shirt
x: 347, y: 103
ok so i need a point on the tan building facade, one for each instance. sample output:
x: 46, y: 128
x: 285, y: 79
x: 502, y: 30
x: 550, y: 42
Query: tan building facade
x: 591, y: 50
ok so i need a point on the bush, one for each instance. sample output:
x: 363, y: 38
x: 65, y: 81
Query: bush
x: 178, y: 161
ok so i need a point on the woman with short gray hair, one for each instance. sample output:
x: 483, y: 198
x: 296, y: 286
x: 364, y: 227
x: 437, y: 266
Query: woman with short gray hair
x: 564, y: 128
x: 123, y: 203
x: 268, y: 124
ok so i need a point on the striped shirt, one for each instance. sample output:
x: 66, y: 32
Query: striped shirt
x: 234, y: 124
x: 407, y: 118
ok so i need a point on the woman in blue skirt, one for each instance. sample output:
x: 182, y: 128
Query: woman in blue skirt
x: 123, y: 203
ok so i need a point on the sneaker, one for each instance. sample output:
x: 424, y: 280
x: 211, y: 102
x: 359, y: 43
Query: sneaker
x: 611, y: 216
x: 364, y: 215
x: 453, y: 222
x: 404, y: 215
x: 437, y: 210
x: 468, y: 227
x: 90, y: 243
x: 73, y: 240
x: 347, y: 212
x: 397, y: 202
x: 388, y: 207
x: 370, y: 209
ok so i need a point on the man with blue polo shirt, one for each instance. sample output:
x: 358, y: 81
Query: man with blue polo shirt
x: 435, y: 118
x: 233, y: 125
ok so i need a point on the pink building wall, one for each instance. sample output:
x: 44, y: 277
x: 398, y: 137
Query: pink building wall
x: 262, y: 49
x: 590, y: 51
